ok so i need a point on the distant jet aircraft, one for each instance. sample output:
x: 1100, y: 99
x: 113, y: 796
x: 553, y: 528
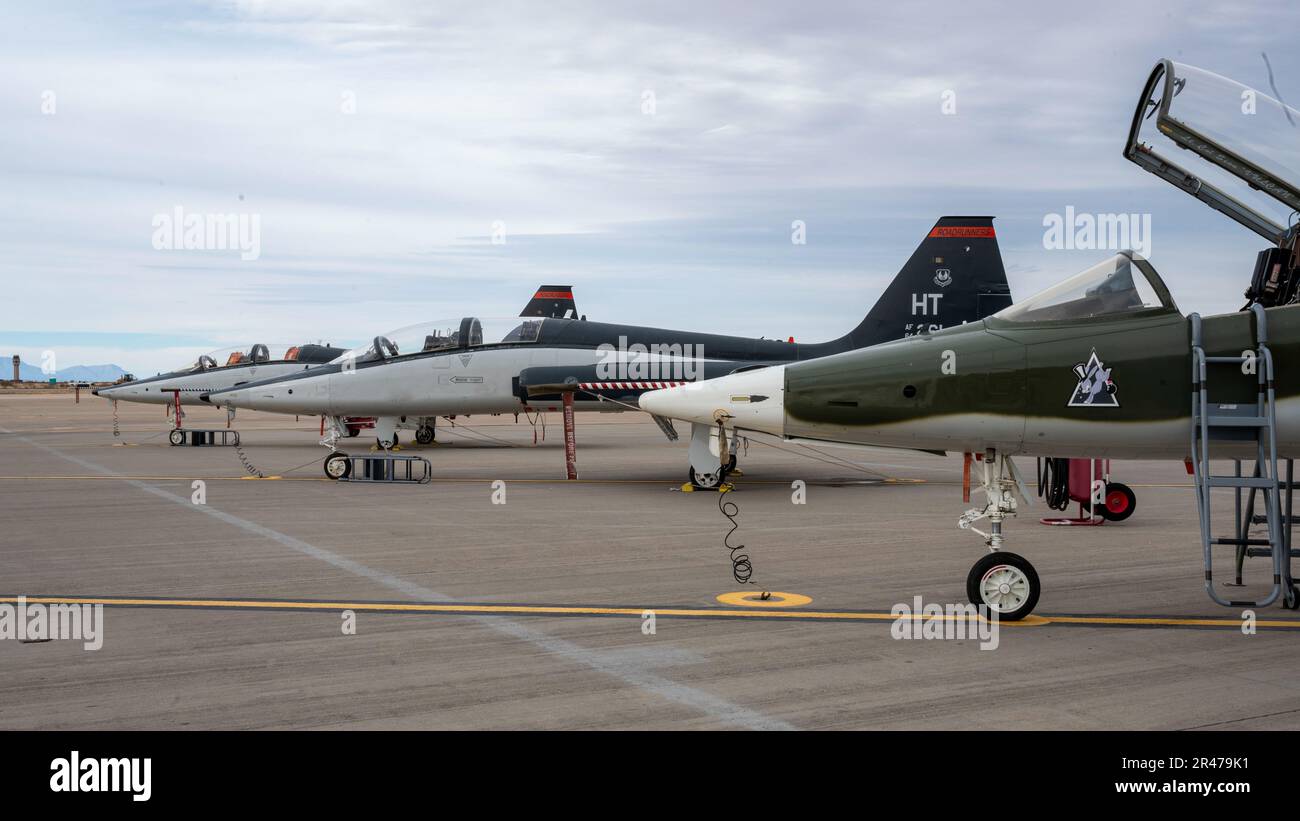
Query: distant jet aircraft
x: 220, y: 369
x: 476, y: 366
x: 226, y: 368
x: 1100, y: 365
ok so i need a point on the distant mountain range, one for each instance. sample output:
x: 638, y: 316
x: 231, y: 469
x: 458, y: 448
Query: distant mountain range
x: 88, y: 373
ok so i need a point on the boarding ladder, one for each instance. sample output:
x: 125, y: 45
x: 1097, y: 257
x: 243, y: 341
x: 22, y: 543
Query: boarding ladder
x: 1242, y: 424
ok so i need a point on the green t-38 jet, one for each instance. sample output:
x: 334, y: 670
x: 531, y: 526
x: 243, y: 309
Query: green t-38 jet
x: 1101, y: 365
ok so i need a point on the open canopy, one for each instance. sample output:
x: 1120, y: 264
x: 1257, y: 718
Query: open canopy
x: 1242, y: 146
x: 446, y: 335
x: 1121, y: 285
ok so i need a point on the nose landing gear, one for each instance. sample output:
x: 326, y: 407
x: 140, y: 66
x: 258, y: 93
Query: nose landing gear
x: 709, y: 469
x: 338, y: 466
x: 1004, y: 582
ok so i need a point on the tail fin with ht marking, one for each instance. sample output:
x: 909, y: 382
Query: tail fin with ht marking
x: 954, y: 276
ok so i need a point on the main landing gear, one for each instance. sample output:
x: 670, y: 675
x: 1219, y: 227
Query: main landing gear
x: 1004, y: 582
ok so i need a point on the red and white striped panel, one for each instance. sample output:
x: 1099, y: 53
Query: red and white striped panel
x: 628, y: 386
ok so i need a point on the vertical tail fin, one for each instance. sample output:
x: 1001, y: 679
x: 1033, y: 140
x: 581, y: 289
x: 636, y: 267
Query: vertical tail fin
x: 954, y: 276
x: 553, y: 302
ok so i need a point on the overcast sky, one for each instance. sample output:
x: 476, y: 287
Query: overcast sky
x: 654, y: 157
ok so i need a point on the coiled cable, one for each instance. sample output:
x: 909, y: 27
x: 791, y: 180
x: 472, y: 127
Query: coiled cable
x: 1054, y: 482
x: 742, y: 569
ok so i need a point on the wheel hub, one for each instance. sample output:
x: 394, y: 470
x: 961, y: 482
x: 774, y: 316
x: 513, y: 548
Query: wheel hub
x: 1004, y: 588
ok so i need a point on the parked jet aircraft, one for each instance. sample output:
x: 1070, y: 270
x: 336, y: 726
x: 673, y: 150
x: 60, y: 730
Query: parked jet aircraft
x: 220, y: 369
x: 226, y: 368
x: 471, y: 365
x: 1100, y: 365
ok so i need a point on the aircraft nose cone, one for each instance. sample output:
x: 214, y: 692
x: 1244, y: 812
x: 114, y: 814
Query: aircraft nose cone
x: 690, y: 403
x: 751, y: 400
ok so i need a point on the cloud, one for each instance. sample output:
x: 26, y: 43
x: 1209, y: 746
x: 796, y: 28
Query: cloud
x: 379, y: 142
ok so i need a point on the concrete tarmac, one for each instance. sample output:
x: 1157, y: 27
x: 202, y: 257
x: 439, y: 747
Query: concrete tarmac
x: 235, y: 608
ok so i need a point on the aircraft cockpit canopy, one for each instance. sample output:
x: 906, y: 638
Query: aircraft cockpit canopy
x: 1124, y: 284
x: 247, y: 354
x: 1242, y: 154
x: 446, y: 335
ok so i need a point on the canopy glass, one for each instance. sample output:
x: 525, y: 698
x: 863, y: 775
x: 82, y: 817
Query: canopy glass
x: 1122, y: 284
x: 1242, y: 146
x: 446, y: 334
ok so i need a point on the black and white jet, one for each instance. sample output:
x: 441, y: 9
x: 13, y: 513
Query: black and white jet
x: 472, y: 365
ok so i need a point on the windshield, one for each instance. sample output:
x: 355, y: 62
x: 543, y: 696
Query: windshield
x: 1118, y: 285
x: 445, y: 335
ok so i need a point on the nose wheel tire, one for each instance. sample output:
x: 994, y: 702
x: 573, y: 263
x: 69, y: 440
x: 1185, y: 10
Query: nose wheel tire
x: 338, y: 466
x: 707, y: 482
x: 176, y: 437
x: 1005, y: 583
x: 424, y: 435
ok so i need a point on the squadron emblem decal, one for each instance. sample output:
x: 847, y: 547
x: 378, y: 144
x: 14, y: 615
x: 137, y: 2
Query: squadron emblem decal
x: 942, y: 277
x: 1095, y: 388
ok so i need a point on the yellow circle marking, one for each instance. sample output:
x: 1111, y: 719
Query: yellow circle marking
x: 753, y: 598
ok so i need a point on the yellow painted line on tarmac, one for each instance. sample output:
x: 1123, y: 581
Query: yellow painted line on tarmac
x: 638, y: 612
x: 1188, y: 486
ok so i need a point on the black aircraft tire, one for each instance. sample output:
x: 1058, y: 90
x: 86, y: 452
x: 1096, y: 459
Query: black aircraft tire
x: 721, y: 477
x: 176, y: 437
x: 424, y: 435
x: 338, y: 466
x: 1015, y: 572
